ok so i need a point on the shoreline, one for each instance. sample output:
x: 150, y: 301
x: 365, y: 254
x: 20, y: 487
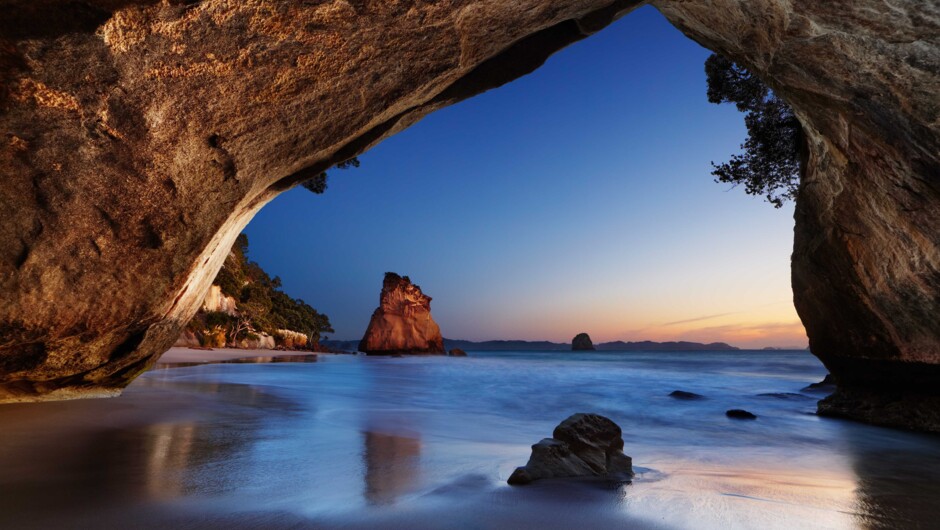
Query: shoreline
x: 182, y: 356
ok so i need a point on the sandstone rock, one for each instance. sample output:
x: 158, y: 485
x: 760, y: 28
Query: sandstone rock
x: 457, y: 352
x: 402, y: 323
x: 582, y: 445
x: 140, y: 137
x: 582, y: 342
x: 216, y: 301
x: 739, y: 414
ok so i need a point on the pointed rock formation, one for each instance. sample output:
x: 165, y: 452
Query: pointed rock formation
x: 402, y: 324
x: 582, y: 342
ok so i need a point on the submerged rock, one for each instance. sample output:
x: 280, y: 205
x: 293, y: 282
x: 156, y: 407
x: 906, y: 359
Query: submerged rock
x: 402, y: 324
x: 739, y: 414
x: 457, y: 352
x: 583, y: 445
x: 687, y: 396
x: 582, y: 342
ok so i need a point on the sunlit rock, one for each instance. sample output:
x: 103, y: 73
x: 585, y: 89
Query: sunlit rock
x: 402, y: 324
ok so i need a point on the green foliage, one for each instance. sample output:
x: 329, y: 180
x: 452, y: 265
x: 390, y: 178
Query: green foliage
x: 260, y: 301
x: 317, y: 183
x: 219, y: 319
x: 770, y: 163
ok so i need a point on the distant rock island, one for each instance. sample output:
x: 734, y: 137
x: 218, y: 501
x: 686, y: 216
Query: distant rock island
x: 402, y: 324
x: 582, y: 342
x: 524, y: 345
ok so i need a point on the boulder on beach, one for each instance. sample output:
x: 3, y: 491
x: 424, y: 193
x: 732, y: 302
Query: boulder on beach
x: 457, y: 352
x: 402, y: 323
x: 582, y: 342
x: 739, y: 414
x: 584, y: 445
x: 686, y: 396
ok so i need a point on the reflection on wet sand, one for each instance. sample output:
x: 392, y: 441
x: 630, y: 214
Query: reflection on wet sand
x: 79, y: 457
x: 899, y: 488
x: 391, y: 465
x: 257, y: 359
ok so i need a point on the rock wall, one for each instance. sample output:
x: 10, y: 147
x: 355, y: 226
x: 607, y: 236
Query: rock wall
x: 402, y: 324
x: 140, y: 136
x: 216, y: 301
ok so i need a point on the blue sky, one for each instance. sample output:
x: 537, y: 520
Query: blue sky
x: 578, y: 198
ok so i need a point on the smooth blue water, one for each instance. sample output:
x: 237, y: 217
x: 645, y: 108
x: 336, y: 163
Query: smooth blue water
x: 428, y: 442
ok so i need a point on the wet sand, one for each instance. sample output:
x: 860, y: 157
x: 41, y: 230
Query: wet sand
x: 177, y: 357
x: 357, y: 442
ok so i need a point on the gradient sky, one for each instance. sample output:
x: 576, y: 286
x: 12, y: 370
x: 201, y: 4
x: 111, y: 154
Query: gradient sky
x: 578, y: 198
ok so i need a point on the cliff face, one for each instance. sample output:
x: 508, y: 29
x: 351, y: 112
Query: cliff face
x: 402, y: 323
x: 141, y: 136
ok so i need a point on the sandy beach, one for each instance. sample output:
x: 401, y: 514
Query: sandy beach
x: 428, y: 442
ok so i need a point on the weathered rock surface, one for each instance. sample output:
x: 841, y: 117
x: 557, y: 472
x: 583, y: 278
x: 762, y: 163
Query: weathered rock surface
x: 402, y: 324
x: 582, y: 342
x: 583, y: 445
x: 217, y: 301
x: 141, y: 136
x: 457, y: 352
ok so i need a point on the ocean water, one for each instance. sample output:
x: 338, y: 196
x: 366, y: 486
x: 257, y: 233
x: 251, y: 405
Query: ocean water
x: 428, y: 442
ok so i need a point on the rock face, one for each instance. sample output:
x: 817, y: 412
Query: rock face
x: 457, y: 352
x: 402, y: 324
x: 141, y: 136
x: 582, y: 342
x: 583, y: 445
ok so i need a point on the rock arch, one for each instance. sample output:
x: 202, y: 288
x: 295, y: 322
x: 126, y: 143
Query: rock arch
x: 140, y: 136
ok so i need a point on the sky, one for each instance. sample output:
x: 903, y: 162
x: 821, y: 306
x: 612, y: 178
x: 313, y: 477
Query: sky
x: 576, y: 199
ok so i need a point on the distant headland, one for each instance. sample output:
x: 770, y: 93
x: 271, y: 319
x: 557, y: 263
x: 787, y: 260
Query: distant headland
x: 525, y: 345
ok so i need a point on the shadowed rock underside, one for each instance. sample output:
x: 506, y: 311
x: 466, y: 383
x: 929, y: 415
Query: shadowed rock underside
x: 140, y: 136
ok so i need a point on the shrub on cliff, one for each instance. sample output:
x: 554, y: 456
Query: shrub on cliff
x: 260, y: 303
x: 770, y: 164
x: 317, y: 184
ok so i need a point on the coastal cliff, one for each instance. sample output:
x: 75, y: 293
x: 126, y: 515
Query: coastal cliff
x: 244, y: 308
x: 402, y: 324
x: 122, y: 117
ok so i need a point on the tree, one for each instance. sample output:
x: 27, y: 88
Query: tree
x: 770, y: 164
x: 317, y: 183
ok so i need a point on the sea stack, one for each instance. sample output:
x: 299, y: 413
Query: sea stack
x: 402, y: 324
x: 582, y: 342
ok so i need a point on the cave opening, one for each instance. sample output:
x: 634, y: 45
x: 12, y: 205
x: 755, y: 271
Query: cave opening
x: 575, y: 198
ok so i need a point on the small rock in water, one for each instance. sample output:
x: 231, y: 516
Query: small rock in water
x: 457, y: 352
x: 739, y: 414
x: 682, y: 394
x: 583, y: 445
